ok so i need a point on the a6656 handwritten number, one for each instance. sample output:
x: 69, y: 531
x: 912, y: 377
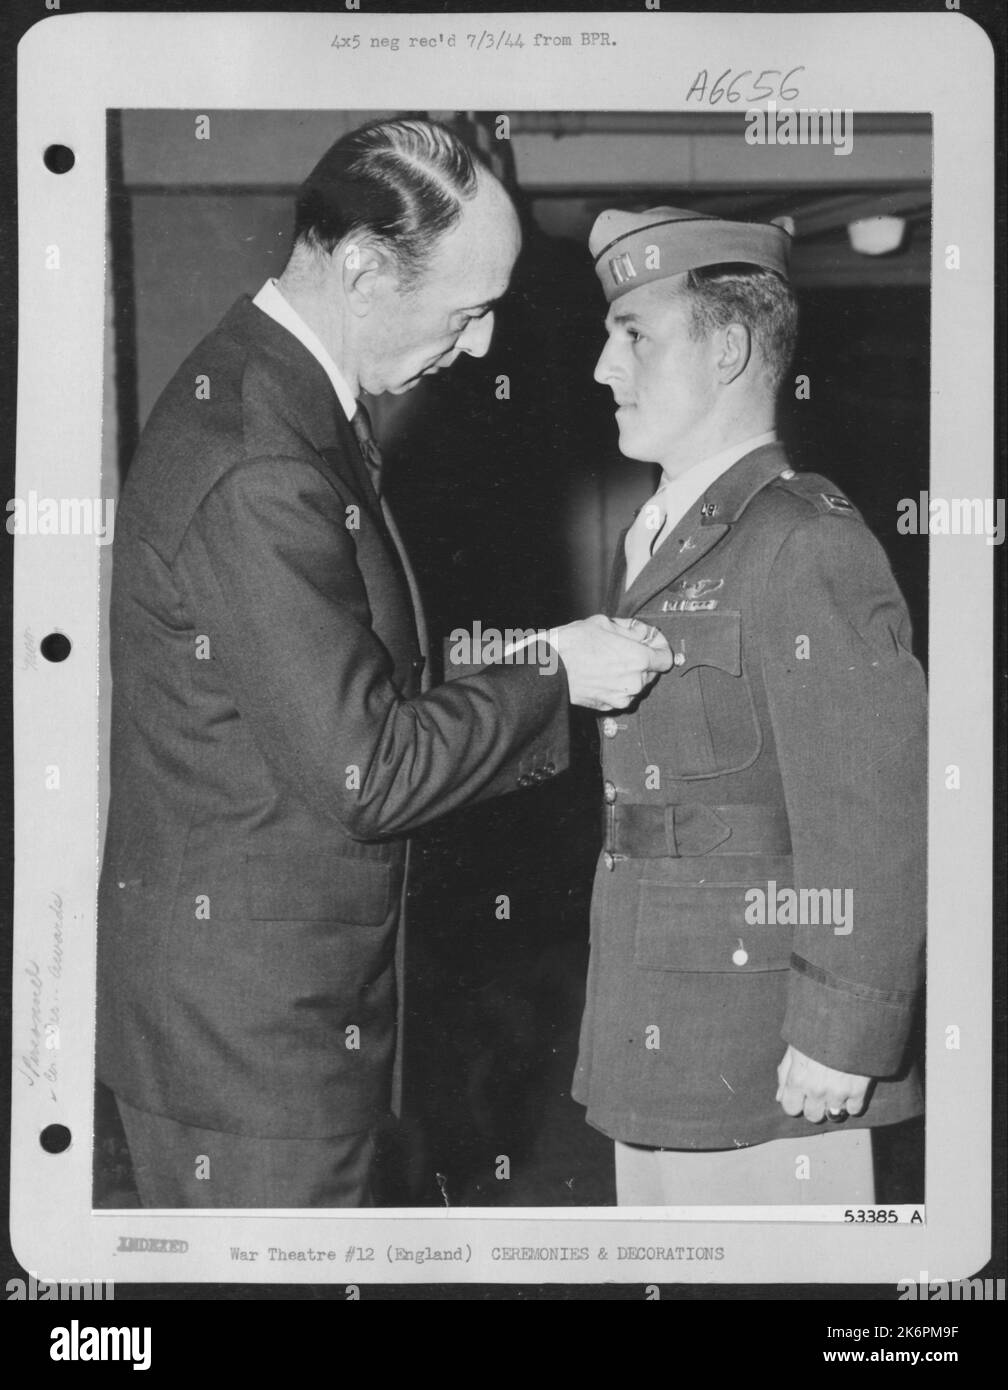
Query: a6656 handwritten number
x: 732, y: 89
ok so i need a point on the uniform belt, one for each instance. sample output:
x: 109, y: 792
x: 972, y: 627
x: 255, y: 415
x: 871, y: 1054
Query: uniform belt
x: 692, y: 827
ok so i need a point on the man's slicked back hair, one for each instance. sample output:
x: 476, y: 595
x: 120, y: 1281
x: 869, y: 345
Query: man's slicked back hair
x: 401, y: 183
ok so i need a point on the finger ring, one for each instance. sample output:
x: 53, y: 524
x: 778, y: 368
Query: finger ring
x: 837, y: 1116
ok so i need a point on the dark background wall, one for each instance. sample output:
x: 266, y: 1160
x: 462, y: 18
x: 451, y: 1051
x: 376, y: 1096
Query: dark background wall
x: 510, y: 509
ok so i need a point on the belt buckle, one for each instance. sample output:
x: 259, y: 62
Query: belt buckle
x: 610, y: 856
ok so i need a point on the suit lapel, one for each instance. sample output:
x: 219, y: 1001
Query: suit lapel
x: 311, y: 399
x: 348, y: 463
x: 351, y: 465
x: 308, y: 397
x: 419, y: 620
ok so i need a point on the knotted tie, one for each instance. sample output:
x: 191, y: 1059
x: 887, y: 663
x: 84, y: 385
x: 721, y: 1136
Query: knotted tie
x: 360, y: 423
x: 646, y: 533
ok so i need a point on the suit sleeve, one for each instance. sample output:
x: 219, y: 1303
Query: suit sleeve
x: 270, y: 571
x: 848, y: 709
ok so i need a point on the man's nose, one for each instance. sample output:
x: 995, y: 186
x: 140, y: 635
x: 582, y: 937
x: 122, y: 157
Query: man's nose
x: 475, y: 337
x: 604, y: 366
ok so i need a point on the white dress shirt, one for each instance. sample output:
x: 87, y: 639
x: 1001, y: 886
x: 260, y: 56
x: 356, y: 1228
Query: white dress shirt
x: 662, y: 513
x: 271, y: 301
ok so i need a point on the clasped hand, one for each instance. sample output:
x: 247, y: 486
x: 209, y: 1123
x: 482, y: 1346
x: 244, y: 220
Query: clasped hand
x: 806, y: 1087
x: 610, y: 661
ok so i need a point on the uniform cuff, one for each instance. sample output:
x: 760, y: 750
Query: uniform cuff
x: 849, y: 1026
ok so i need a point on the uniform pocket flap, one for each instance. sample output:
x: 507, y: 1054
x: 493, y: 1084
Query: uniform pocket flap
x: 702, y: 927
x: 700, y: 639
x: 325, y: 888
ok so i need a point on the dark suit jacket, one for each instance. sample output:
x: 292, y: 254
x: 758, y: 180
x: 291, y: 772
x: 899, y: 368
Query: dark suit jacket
x: 270, y: 750
x: 786, y: 748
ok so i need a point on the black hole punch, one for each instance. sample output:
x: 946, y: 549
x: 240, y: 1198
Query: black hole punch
x: 55, y: 1139
x: 55, y: 646
x: 59, y: 159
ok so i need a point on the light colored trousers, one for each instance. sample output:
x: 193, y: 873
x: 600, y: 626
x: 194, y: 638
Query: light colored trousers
x: 819, y: 1170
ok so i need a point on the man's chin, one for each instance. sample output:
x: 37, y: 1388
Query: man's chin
x: 412, y: 381
x: 631, y: 449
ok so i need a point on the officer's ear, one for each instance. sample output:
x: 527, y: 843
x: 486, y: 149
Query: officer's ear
x: 733, y: 350
x: 363, y: 268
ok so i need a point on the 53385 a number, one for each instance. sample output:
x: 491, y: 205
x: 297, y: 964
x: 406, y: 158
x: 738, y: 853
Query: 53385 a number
x: 871, y: 1216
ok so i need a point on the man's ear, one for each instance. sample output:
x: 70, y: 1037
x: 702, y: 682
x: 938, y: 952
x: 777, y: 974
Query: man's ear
x: 734, y: 349
x: 361, y: 266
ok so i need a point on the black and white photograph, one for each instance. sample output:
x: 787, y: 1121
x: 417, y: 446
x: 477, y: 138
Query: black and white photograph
x: 372, y: 429
x: 504, y: 538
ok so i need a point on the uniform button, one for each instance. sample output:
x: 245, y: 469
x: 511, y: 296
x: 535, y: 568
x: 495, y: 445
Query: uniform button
x: 549, y: 769
x: 787, y: 473
x: 609, y: 792
x: 524, y: 780
x: 609, y: 861
x: 740, y: 956
x: 609, y: 727
x: 679, y: 659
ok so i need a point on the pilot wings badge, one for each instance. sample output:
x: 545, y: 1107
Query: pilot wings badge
x: 700, y: 588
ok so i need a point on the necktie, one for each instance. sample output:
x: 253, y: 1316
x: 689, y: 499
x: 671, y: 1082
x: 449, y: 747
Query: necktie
x: 646, y: 533
x: 360, y: 423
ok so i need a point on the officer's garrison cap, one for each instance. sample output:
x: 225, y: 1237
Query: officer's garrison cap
x: 635, y: 248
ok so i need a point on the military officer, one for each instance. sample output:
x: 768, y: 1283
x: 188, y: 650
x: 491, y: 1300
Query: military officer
x: 758, y: 912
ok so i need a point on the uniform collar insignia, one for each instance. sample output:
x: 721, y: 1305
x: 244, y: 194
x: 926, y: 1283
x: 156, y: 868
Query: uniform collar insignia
x: 728, y: 496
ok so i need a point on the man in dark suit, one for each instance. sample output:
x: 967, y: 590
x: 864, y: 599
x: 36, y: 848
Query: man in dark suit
x: 758, y: 914
x: 272, y: 742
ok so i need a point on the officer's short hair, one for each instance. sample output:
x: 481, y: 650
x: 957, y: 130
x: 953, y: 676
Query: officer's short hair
x: 740, y: 293
x: 401, y: 183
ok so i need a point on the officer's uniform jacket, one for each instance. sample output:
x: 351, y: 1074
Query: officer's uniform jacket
x: 270, y: 749
x: 784, y: 749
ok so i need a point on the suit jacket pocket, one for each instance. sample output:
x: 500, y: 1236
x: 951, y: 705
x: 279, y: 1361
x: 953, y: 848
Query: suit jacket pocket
x: 322, y: 888
x: 699, y: 720
x: 703, y: 928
